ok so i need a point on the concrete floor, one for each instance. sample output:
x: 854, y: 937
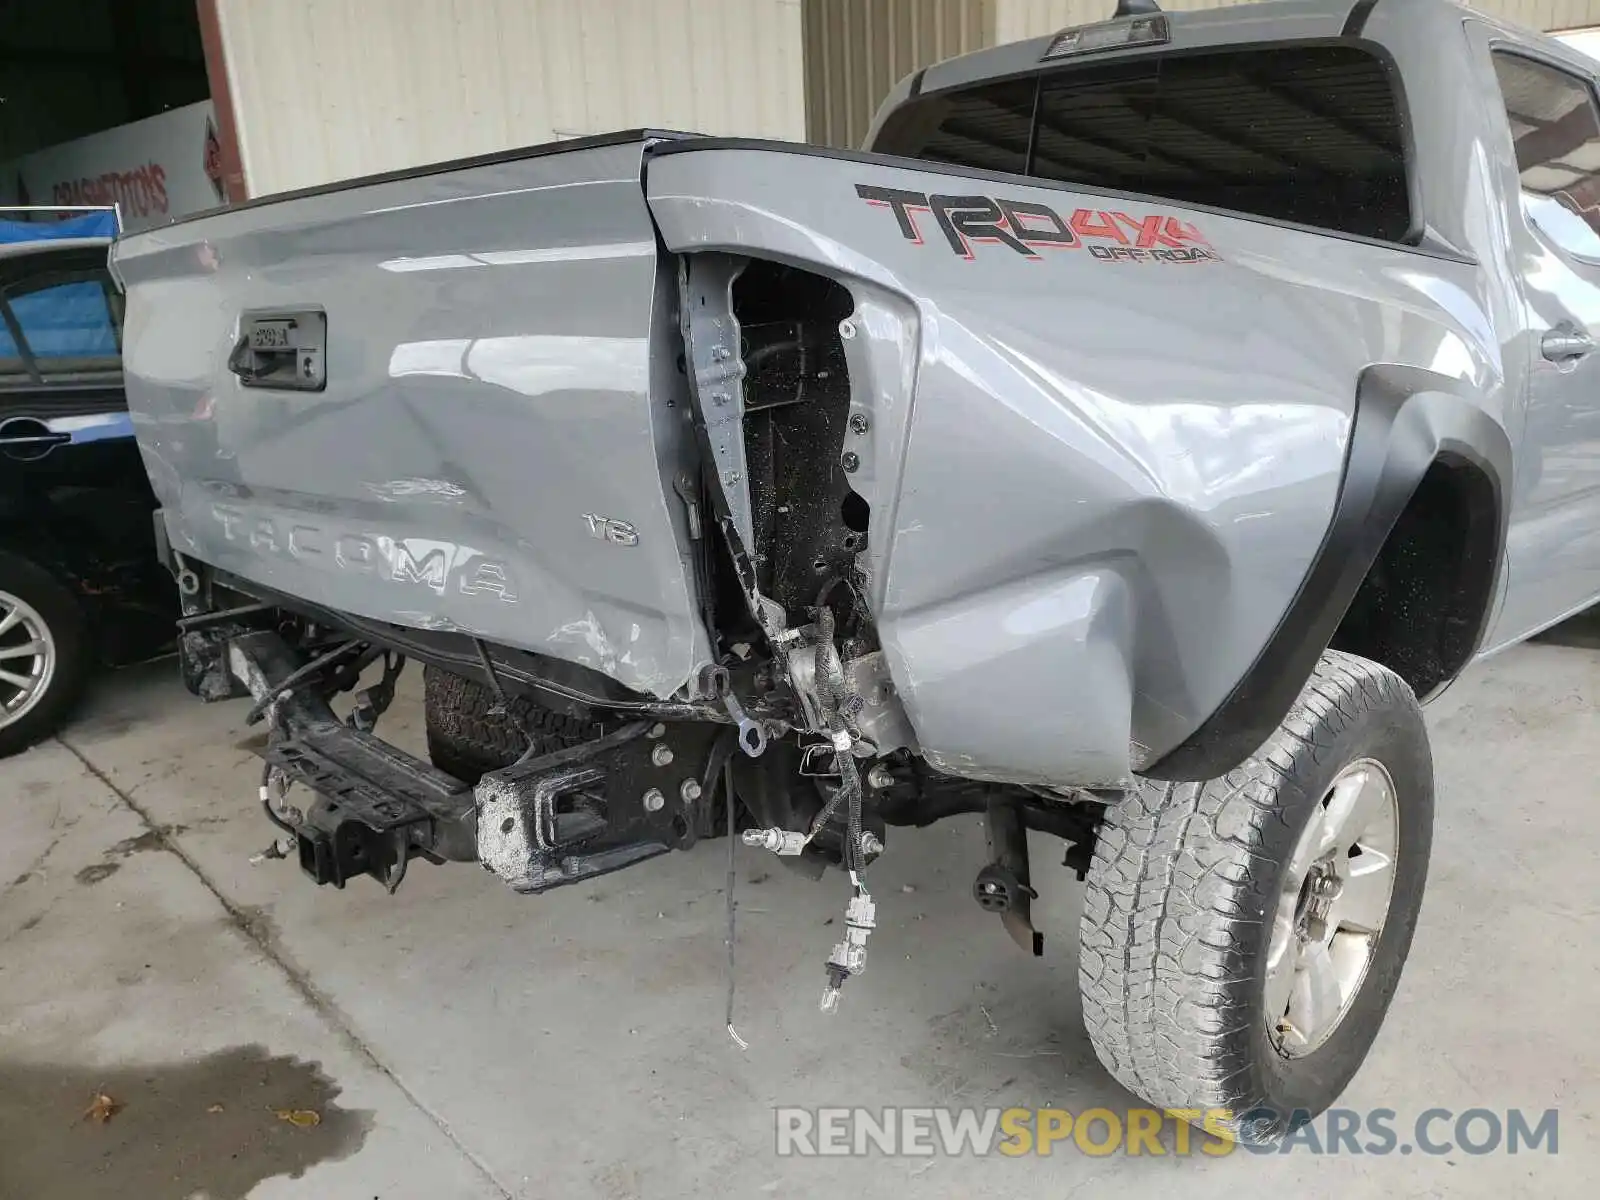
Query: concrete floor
x: 460, y: 1041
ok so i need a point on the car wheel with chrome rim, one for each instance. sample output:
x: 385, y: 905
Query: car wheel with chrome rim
x: 1242, y: 937
x: 1331, y: 908
x: 43, y: 656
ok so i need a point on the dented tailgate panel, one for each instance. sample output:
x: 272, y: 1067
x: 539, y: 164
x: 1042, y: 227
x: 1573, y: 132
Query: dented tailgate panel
x: 485, y: 455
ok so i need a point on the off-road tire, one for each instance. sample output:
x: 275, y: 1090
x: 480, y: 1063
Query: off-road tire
x: 1182, y: 895
x: 64, y: 616
x: 466, y: 738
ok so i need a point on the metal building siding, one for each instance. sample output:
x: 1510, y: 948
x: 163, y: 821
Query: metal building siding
x: 330, y: 89
x: 1545, y: 14
x: 856, y: 50
x: 1018, y: 19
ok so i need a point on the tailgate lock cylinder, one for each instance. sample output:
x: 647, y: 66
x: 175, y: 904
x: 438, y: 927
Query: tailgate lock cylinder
x: 284, y: 351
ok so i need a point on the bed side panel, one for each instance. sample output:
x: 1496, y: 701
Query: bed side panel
x: 1098, y: 470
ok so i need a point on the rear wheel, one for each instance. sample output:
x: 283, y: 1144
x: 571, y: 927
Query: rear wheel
x: 44, y: 658
x: 1241, y: 938
x: 468, y: 734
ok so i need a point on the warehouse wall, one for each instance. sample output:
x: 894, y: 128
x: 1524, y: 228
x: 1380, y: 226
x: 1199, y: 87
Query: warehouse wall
x: 1017, y: 19
x: 856, y: 50
x: 69, y: 68
x: 331, y: 89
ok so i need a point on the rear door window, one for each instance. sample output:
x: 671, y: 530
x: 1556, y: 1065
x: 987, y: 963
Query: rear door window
x: 1556, y: 136
x: 58, y: 328
x: 1311, y: 134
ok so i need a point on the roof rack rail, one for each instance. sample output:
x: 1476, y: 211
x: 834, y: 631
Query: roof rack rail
x: 70, y: 210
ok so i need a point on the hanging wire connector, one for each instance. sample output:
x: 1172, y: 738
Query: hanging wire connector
x: 779, y: 841
x: 273, y: 780
x: 729, y: 801
x: 849, y: 956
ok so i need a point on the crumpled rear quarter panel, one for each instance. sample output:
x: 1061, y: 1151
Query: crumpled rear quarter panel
x: 1096, y: 484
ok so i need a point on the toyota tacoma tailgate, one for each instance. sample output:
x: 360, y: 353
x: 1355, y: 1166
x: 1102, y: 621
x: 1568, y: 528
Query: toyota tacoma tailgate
x: 444, y: 401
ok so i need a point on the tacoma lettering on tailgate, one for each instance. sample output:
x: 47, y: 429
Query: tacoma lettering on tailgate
x: 437, y: 566
x: 1026, y: 227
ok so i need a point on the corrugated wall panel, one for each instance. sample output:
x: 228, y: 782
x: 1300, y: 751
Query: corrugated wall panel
x: 856, y: 50
x: 1547, y: 14
x: 1017, y: 19
x: 331, y: 89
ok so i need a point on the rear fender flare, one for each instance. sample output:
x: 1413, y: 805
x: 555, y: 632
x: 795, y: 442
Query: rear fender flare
x: 1406, y: 418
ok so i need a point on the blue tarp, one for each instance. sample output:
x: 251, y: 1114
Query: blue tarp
x: 67, y: 320
x: 93, y: 224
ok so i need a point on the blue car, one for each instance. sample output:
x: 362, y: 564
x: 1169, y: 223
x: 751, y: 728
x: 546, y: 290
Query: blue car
x: 77, y: 582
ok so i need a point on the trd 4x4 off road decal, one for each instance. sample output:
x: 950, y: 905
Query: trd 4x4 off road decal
x: 1027, y: 228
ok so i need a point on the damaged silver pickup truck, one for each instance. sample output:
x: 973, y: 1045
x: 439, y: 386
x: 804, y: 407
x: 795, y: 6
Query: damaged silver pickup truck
x: 1117, y: 448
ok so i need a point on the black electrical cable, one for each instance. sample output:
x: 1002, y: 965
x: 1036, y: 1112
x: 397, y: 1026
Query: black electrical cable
x: 828, y: 809
x: 721, y: 751
x: 224, y: 614
x: 266, y: 803
x: 503, y: 703
x: 826, y: 592
x: 388, y: 634
x: 848, y: 794
x: 727, y: 787
x: 488, y: 669
x: 854, y: 859
x: 373, y: 702
x: 295, y: 679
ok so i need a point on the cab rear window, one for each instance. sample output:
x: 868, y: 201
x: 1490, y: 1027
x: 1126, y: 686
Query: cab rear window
x: 1306, y: 133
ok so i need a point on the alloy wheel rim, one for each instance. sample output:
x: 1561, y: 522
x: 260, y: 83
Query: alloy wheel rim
x: 1332, y: 908
x: 27, y: 658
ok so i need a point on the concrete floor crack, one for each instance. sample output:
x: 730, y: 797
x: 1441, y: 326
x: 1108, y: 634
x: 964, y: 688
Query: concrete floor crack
x: 34, y: 866
x: 257, y: 934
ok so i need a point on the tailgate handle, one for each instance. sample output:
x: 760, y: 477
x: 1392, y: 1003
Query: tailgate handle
x: 282, y: 350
